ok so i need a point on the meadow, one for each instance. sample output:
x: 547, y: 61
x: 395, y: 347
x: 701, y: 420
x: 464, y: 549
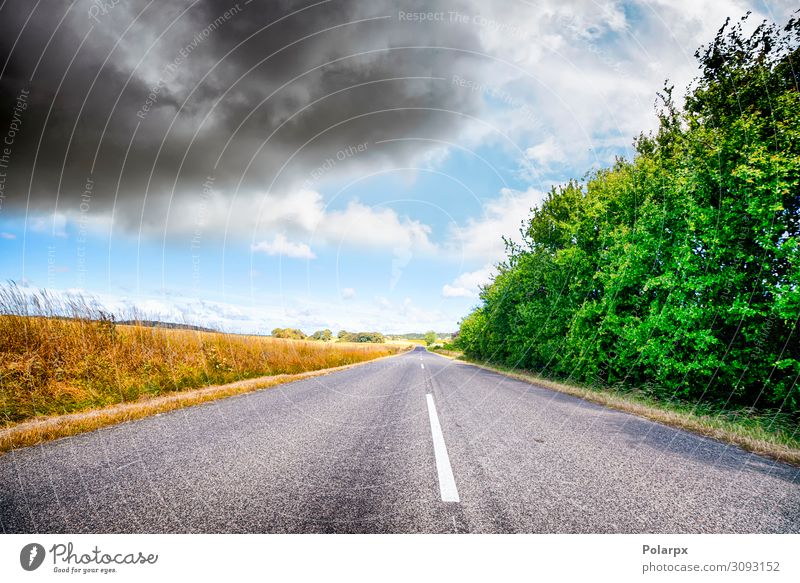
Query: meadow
x: 63, y: 355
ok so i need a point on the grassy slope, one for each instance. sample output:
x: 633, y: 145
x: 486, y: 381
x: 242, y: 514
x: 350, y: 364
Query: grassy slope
x: 41, y: 429
x: 51, y: 366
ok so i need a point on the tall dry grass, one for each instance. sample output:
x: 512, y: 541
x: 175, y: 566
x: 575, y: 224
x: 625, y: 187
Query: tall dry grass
x: 61, y: 355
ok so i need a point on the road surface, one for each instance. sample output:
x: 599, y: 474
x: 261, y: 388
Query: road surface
x: 414, y: 443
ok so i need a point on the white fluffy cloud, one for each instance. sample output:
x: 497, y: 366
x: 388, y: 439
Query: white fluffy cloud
x: 348, y: 293
x: 407, y: 315
x: 370, y: 227
x: 546, y: 153
x: 308, y: 314
x: 576, y: 81
x: 302, y: 209
x: 468, y: 284
x: 481, y: 239
x: 280, y: 245
x: 304, y: 215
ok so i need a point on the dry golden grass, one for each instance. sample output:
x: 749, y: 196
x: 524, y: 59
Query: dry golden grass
x: 65, y: 356
x: 41, y: 429
x: 750, y: 437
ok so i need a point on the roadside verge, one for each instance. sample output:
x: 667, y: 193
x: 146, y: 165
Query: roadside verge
x: 749, y: 437
x: 40, y: 430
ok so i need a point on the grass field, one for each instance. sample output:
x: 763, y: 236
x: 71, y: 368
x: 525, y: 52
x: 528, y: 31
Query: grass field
x: 63, y: 356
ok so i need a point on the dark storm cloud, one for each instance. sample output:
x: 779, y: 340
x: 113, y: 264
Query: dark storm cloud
x: 139, y: 99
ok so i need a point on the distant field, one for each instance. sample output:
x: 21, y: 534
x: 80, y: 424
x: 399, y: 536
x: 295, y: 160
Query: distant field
x: 54, y: 365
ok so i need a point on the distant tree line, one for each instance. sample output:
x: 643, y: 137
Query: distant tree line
x: 345, y: 336
x: 326, y: 335
x: 323, y: 335
x: 420, y: 335
x: 292, y: 333
x: 677, y: 272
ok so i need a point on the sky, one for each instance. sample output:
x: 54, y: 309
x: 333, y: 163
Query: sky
x: 313, y: 164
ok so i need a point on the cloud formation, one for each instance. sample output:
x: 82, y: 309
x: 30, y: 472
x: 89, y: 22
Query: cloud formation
x: 142, y: 103
x: 185, y: 119
x: 481, y: 238
x: 281, y: 246
x: 468, y: 284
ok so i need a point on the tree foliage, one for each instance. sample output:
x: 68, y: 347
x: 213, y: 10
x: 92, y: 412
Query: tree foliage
x: 677, y: 272
x: 345, y: 336
x: 292, y: 333
x: 323, y: 335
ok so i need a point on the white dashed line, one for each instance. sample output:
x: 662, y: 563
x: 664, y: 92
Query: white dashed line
x: 422, y: 365
x: 447, y: 483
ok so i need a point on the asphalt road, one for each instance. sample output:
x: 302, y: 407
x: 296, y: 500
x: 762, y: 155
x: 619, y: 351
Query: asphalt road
x: 358, y: 451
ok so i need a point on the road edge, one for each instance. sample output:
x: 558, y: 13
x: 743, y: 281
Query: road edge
x: 674, y: 419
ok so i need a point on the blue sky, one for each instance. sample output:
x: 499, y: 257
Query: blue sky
x: 394, y: 234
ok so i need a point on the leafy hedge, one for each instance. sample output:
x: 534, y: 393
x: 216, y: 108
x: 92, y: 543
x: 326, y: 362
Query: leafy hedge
x: 676, y: 272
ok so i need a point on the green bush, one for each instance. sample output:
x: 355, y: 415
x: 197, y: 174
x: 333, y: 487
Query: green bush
x: 323, y: 335
x: 292, y: 333
x: 675, y: 272
x: 361, y: 337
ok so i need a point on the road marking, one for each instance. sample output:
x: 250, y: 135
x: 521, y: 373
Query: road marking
x: 447, y: 483
x: 422, y: 365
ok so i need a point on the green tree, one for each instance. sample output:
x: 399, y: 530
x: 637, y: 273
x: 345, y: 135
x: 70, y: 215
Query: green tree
x: 291, y: 333
x: 430, y: 337
x: 376, y: 337
x: 677, y: 272
x: 323, y: 335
